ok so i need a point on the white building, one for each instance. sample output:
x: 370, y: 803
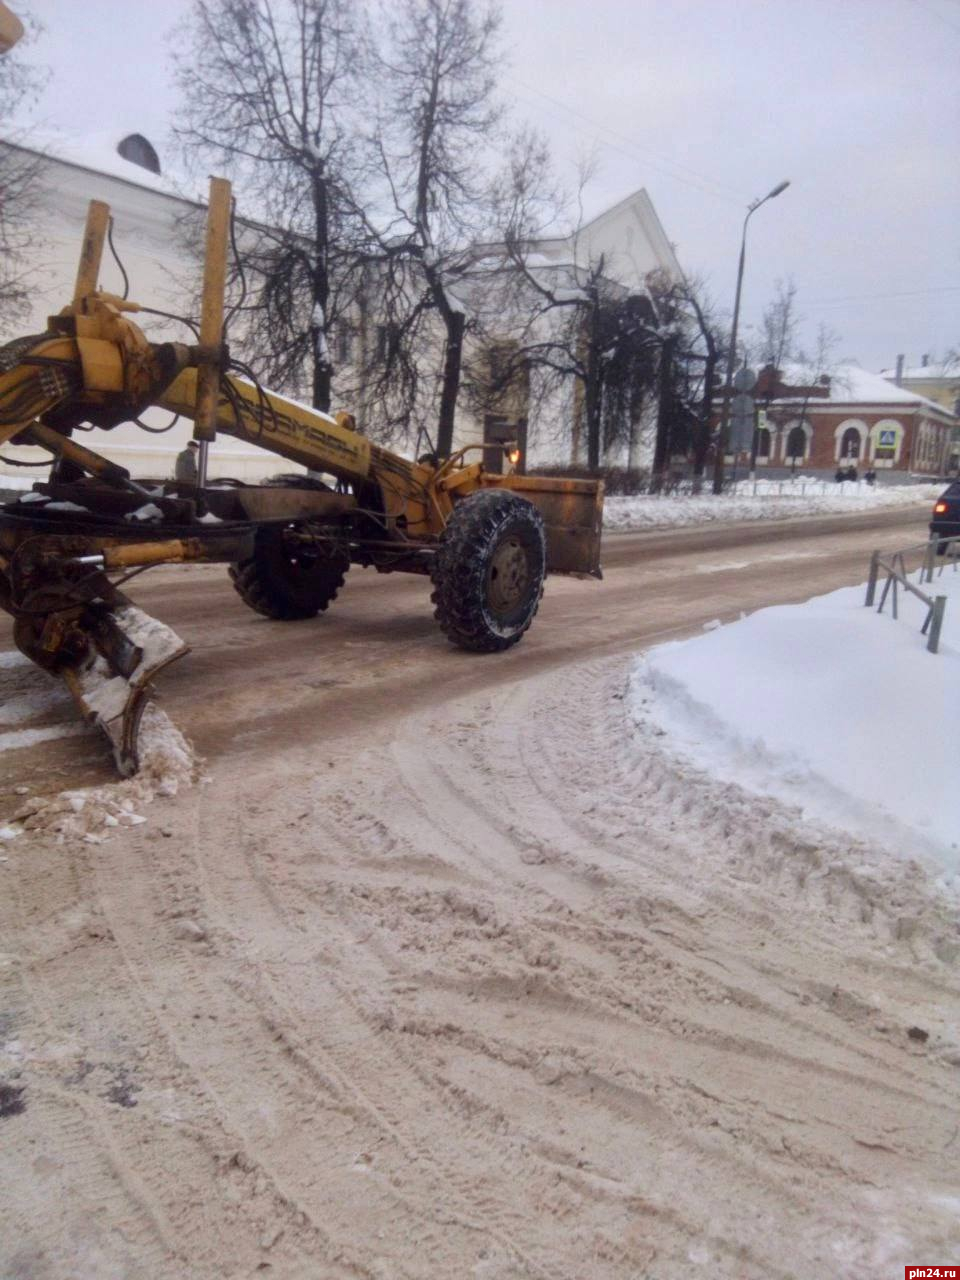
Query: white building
x: 630, y: 239
x: 148, y: 233
x: 149, y: 211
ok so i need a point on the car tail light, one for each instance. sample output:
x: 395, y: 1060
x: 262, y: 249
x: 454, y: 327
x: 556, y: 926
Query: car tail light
x: 940, y: 509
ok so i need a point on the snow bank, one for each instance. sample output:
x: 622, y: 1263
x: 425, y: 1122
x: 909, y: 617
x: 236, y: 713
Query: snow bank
x: 774, y: 500
x: 829, y: 707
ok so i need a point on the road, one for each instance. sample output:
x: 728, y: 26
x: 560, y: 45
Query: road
x: 250, y: 685
x: 438, y: 975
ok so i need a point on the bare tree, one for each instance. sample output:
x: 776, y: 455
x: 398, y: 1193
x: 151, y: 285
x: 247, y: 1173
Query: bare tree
x: 694, y: 343
x: 20, y: 169
x: 266, y: 95
x: 436, y: 65
x: 818, y: 368
x: 576, y: 324
x: 779, y: 326
x: 778, y: 344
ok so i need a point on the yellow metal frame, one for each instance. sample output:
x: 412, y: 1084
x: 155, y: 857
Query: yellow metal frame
x: 111, y: 373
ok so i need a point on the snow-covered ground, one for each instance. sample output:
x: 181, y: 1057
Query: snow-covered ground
x: 762, y: 500
x: 828, y: 707
x: 463, y: 977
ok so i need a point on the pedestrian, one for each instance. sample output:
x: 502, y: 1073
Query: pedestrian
x: 185, y: 471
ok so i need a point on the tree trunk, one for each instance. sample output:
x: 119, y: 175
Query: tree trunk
x: 701, y: 443
x: 322, y: 368
x: 593, y: 398
x: 661, y: 451
x: 322, y: 380
x: 452, y: 360
x: 592, y: 405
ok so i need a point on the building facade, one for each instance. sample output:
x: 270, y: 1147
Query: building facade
x: 849, y: 418
x: 936, y: 380
x: 152, y: 215
x: 163, y: 268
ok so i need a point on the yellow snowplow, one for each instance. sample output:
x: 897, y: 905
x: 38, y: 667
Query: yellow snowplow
x: 485, y: 540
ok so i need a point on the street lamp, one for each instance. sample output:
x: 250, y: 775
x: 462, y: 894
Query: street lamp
x: 731, y: 358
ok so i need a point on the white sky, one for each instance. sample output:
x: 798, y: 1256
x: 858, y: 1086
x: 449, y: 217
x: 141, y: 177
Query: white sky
x: 706, y: 104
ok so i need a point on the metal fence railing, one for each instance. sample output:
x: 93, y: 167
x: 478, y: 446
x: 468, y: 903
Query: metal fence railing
x: 935, y: 556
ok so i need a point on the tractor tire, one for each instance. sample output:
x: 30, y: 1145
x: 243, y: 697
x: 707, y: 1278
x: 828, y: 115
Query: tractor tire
x: 488, y: 571
x: 287, y: 584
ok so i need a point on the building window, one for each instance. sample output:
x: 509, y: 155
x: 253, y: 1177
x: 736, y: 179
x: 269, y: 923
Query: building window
x: 797, y: 444
x: 388, y: 341
x: 886, y: 437
x: 849, y: 440
x: 850, y: 445
x: 343, y: 344
x: 763, y: 443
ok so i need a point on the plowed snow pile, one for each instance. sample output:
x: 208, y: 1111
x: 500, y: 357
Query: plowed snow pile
x: 764, y: 500
x: 828, y: 707
x: 167, y: 761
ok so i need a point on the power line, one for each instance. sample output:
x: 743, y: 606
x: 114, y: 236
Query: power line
x: 876, y: 297
x: 669, y: 168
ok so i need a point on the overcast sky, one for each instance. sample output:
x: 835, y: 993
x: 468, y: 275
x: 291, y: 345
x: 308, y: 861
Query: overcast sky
x: 705, y: 103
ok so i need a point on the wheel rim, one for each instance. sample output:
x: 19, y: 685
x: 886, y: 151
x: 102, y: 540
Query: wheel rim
x: 508, y: 578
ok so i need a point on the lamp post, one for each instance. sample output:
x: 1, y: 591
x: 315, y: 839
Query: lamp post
x: 731, y: 359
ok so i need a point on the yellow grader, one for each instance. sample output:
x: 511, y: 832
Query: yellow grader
x: 485, y: 540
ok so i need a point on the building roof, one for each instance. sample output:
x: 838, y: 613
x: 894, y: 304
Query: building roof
x: 936, y: 371
x: 849, y: 384
x: 97, y: 151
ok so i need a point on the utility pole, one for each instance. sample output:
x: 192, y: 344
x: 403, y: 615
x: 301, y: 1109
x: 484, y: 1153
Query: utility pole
x: 724, y: 435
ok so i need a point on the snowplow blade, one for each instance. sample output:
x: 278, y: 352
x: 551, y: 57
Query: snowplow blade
x: 111, y: 683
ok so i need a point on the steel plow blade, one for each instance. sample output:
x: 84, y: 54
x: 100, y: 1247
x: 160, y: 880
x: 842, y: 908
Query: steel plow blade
x: 111, y: 683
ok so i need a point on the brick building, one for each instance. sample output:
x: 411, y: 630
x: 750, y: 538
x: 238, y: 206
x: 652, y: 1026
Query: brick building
x: 849, y: 417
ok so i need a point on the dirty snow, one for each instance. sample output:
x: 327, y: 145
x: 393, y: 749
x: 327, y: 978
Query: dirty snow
x: 39, y: 709
x: 826, y: 706
x: 18, y: 738
x: 772, y: 500
x: 481, y: 985
x: 167, y: 764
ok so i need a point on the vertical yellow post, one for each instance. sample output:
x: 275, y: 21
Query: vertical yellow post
x: 211, y: 317
x: 94, y: 237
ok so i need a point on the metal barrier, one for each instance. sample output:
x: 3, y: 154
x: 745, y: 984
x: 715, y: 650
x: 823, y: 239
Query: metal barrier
x: 897, y: 576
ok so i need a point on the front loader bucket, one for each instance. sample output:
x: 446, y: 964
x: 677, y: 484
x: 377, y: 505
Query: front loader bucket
x: 572, y: 511
x: 111, y: 682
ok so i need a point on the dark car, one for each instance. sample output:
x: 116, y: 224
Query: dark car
x: 946, y: 517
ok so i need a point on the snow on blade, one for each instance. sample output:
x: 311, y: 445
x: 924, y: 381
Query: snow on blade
x: 826, y: 706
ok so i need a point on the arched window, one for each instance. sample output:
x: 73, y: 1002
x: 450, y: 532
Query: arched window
x: 850, y: 445
x: 849, y: 440
x: 796, y: 444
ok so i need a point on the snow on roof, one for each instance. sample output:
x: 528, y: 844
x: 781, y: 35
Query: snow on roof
x: 849, y: 384
x: 98, y: 151
x: 926, y: 372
